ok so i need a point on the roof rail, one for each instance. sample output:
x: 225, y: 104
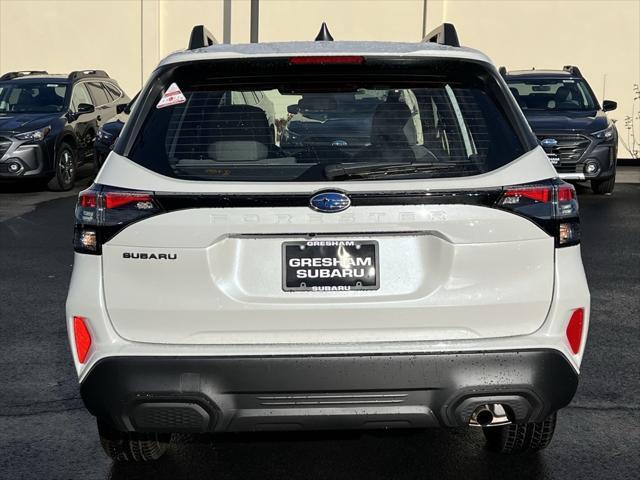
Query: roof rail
x: 445, y: 34
x: 22, y: 73
x: 573, y: 70
x: 323, y: 34
x: 502, y: 70
x: 200, y: 37
x: 78, y: 74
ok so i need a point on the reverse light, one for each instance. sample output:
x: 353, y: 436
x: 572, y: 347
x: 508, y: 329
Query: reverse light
x: 328, y: 60
x: 575, y: 328
x: 82, y: 338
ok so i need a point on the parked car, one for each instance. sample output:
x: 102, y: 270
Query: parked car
x: 109, y: 132
x: 225, y: 283
x: 48, y: 122
x: 341, y: 120
x: 560, y: 106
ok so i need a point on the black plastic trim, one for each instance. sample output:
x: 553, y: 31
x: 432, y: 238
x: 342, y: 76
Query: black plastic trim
x: 171, y: 202
x: 432, y: 386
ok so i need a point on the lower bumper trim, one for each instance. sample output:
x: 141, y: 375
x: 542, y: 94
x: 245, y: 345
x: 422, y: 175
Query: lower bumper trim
x: 206, y: 394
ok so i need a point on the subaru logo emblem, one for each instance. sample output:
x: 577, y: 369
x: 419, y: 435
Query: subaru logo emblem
x: 549, y: 142
x: 330, y: 202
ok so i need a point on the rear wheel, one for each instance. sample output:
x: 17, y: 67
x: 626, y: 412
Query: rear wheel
x: 523, y: 437
x: 602, y: 187
x: 65, y: 169
x: 130, y: 446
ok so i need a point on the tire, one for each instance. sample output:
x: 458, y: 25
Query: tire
x: 132, y: 447
x: 520, y: 438
x: 603, y: 187
x: 65, y: 169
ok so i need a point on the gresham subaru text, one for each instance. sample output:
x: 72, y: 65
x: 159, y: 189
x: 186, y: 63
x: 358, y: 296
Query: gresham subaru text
x: 428, y: 275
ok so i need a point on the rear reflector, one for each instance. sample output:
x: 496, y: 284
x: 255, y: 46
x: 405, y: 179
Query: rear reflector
x: 574, y: 330
x: 82, y: 338
x: 327, y: 60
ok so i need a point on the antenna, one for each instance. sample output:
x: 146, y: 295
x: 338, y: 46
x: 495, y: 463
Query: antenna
x: 323, y: 34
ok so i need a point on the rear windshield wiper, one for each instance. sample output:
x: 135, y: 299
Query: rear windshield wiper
x: 384, y: 169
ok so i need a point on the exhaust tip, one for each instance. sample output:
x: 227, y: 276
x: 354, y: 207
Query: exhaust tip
x: 490, y: 415
x: 484, y: 417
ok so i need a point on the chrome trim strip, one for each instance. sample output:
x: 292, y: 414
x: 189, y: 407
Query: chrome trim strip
x: 571, y: 176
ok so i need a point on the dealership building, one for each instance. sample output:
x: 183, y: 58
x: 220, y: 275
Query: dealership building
x: 127, y: 38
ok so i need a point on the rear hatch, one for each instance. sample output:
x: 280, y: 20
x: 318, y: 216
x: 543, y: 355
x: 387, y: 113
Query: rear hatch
x: 217, y: 235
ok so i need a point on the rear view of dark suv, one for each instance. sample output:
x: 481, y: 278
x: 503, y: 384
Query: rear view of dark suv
x: 48, y: 123
x: 570, y: 124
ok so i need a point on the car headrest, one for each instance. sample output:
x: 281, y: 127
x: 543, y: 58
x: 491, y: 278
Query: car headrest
x: 239, y: 123
x: 392, y: 125
x: 238, y: 151
x: 318, y: 103
x: 562, y: 94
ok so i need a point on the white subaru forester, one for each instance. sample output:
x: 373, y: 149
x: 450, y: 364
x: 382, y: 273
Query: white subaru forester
x: 326, y: 235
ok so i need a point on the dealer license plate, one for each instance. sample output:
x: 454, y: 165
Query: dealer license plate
x: 330, y: 265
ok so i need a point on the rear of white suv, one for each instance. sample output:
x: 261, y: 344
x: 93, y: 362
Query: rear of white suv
x: 225, y: 283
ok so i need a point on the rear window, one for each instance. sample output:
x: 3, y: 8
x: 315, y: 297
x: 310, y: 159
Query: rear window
x: 267, y: 120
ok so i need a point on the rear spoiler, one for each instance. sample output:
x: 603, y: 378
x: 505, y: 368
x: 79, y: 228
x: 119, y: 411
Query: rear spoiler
x: 201, y: 37
x: 445, y: 34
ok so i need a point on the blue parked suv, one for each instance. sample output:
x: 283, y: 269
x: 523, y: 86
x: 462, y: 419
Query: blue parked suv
x: 573, y: 128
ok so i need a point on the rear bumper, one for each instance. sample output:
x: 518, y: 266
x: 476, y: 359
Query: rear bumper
x: 207, y: 394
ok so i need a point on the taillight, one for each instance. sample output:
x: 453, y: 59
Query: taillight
x: 102, y: 212
x: 552, y: 205
x: 575, y: 327
x: 82, y: 338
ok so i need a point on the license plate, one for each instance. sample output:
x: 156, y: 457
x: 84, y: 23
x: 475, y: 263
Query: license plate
x: 555, y: 160
x: 330, y: 265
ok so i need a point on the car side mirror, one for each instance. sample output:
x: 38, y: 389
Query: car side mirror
x: 85, y: 108
x: 123, y: 107
x: 609, y: 105
x: 293, y: 109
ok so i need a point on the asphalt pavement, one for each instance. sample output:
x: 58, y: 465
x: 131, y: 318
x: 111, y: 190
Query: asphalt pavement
x: 45, y: 433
